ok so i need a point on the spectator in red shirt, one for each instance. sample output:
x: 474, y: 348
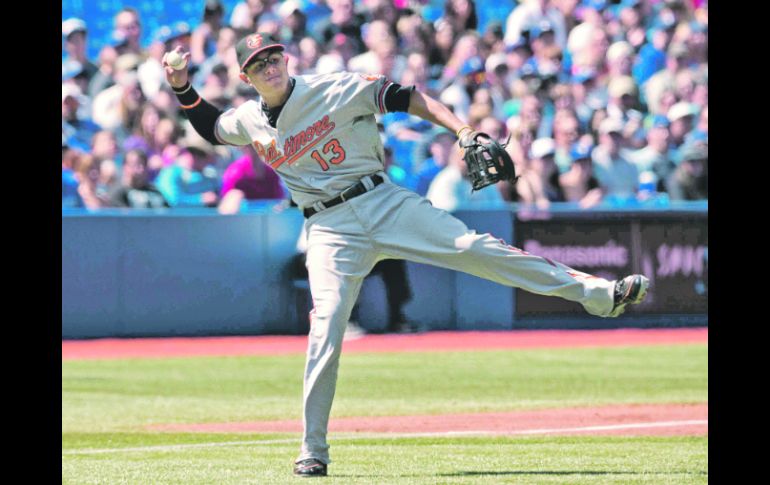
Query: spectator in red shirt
x: 248, y: 178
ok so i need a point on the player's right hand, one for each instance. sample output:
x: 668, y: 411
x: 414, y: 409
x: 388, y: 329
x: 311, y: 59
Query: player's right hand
x: 175, y: 78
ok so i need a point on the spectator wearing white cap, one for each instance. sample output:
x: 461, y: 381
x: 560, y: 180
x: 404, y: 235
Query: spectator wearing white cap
x: 75, y: 33
x: 539, y: 184
x: 618, y: 177
x: 681, y: 117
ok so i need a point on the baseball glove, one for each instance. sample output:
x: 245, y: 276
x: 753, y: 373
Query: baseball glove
x: 487, y: 160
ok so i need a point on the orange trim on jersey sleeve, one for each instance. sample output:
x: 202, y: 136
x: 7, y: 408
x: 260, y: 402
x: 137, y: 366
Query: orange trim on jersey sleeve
x: 192, y: 105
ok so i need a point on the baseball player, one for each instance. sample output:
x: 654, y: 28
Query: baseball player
x: 319, y: 133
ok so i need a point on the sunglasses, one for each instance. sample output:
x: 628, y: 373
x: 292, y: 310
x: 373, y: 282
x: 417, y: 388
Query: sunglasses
x: 259, y: 65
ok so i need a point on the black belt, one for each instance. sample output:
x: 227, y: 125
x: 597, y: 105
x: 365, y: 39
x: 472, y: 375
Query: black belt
x: 347, y: 194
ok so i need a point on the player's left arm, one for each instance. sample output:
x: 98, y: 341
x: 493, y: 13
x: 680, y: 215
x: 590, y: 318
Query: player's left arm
x: 376, y: 94
x: 429, y: 109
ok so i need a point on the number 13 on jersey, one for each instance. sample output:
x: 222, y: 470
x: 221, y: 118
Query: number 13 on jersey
x: 337, y: 152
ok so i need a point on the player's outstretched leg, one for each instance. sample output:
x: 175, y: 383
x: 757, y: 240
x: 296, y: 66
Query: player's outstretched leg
x: 433, y: 236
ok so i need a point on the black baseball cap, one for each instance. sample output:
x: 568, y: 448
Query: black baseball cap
x: 251, y: 45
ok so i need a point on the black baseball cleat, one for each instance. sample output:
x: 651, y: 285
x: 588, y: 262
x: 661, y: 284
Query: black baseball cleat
x: 629, y: 291
x: 310, y: 468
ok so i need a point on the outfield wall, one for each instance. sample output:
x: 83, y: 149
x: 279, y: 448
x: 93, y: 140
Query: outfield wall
x: 195, y: 272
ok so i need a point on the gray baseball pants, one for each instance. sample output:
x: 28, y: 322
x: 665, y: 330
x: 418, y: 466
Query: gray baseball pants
x: 347, y: 240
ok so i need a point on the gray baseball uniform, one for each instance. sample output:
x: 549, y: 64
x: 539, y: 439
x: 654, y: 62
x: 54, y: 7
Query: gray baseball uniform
x: 326, y: 140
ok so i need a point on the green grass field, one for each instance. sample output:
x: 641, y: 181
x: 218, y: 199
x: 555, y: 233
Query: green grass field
x: 107, y: 406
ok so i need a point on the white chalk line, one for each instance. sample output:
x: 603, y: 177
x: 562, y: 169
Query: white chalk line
x: 361, y: 436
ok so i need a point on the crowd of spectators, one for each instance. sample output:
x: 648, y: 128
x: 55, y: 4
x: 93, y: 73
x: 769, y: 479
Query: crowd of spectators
x: 600, y: 101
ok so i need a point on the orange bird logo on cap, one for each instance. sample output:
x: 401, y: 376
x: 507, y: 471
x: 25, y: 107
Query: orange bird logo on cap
x: 370, y: 77
x: 254, y: 41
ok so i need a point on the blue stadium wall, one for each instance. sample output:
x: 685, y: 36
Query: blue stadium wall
x: 195, y: 272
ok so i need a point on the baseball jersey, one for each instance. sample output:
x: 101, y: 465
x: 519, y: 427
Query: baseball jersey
x: 325, y: 139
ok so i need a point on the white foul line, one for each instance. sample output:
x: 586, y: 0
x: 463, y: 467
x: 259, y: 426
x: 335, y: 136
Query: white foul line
x: 658, y: 424
x: 654, y: 424
x: 89, y: 451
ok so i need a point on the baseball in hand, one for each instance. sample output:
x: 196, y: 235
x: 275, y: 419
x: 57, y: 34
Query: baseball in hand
x: 175, y: 60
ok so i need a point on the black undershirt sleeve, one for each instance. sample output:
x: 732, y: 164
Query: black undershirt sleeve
x: 397, y: 98
x: 202, y: 115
